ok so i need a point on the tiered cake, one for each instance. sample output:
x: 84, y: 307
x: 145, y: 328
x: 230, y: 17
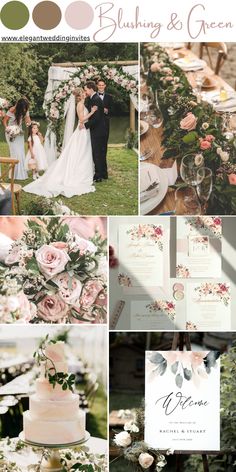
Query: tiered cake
x: 54, y: 416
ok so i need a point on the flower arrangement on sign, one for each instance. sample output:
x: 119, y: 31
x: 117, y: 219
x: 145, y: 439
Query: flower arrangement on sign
x: 134, y: 449
x: 190, y: 127
x: 53, y: 275
x: 55, y: 107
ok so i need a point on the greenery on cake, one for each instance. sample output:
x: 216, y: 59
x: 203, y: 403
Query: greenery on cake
x: 54, y: 377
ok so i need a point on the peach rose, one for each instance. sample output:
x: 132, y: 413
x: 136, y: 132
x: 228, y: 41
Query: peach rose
x: 232, y: 179
x: 52, y: 309
x: 145, y: 460
x: 155, y: 67
x: 69, y: 288
x: 51, y: 260
x: 204, y: 144
x: 90, y: 292
x: 189, y: 122
x: 209, y: 137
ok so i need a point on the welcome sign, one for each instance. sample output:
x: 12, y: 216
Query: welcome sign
x: 182, y: 400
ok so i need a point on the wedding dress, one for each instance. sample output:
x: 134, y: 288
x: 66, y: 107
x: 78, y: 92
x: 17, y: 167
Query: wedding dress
x: 72, y: 173
x: 5, y: 246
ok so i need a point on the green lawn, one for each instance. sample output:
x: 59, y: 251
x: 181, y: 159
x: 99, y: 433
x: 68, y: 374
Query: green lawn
x: 116, y: 196
x: 96, y: 420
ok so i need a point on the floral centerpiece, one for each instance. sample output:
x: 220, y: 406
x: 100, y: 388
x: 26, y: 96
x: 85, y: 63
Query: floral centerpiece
x: 192, y: 128
x: 134, y: 449
x: 60, y: 274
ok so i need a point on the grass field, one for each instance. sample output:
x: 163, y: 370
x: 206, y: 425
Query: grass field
x: 116, y: 196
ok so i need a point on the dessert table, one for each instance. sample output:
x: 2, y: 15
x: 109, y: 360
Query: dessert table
x: 152, y: 138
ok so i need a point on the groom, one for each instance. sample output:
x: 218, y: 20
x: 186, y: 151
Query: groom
x: 96, y: 124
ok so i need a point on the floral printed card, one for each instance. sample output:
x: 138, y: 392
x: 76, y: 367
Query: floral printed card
x: 158, y: 315
x: 141, y: 250
x: 208, y: 306
x: 199, y: 247
x: 182, y: 400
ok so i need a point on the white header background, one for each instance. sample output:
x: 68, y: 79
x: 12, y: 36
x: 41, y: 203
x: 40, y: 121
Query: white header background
x: 142, y: 20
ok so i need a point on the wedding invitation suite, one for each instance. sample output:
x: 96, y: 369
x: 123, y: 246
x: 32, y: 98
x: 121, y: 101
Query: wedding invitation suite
x: 208, y: 306
x: 141, y: 261
x: 182, y: 400
x: 199, y: 241
x: 158, y: 315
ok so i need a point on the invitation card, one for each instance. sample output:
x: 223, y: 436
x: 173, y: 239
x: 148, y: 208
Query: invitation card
x: 141, y: 250
x: 182, y: 400
x: 199, y: 241
x: 158, y: 315
x: 208, y: 306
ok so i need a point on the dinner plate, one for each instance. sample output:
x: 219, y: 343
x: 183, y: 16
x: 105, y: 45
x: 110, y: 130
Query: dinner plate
x: 191, y: 65
x: 145, y: 126
x: 156, y: 173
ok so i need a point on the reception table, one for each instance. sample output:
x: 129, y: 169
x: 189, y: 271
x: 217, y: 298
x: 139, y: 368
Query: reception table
x: 151, y: 140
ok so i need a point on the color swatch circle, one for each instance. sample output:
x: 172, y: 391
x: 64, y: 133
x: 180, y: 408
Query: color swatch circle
x: 79, y: 15
x: 14, y: 15
x: 47, y: 15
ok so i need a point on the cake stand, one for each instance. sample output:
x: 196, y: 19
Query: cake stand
x: 52, y: 462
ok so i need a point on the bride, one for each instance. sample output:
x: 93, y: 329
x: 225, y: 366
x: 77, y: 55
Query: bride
x: 72, y: 173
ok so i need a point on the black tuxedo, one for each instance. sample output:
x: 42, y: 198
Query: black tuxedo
x: 107, y: 103
x: 96, y: 124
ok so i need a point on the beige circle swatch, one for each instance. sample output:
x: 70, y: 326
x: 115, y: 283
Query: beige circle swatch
x: 79, y: 15
x: 47, y: 15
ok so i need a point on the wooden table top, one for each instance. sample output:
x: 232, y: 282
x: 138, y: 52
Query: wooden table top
x: 153, y: 137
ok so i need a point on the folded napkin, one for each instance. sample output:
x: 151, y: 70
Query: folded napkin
x: 191, y: 65
x: 226, y: 105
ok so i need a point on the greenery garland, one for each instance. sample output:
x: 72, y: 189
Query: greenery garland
x: 176, y: 99
x: 55, y: 107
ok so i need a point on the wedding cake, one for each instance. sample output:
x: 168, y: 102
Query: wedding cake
x: 54, y: 416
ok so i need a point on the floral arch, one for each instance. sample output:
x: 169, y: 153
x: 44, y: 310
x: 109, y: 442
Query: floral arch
x: 55, y: 106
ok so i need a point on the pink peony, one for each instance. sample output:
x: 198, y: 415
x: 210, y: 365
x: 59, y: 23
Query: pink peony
x: 204, y: 144
x: 232, y: 179
x: 52, y: 309
x: 189, y: 122
x: 69, y: 288
x: 51, y: 260
x: 90, y: 292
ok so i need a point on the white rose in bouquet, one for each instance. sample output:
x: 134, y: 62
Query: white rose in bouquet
x: 145, y: 460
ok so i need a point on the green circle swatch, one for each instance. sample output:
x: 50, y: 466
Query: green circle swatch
x: 15, y: 15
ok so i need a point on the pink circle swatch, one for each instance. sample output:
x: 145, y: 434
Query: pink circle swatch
x: 79, y: 15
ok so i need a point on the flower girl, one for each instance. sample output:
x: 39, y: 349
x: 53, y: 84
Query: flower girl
x: 36, y: 158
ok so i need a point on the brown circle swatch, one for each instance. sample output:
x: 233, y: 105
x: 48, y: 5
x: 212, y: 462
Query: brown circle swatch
x: 47, y: 15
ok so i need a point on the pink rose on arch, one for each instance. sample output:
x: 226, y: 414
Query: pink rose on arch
x: 189, y: 122
x: 232, y: 179
x: 51, y: 260
x: 90, y: 292
x: 69, y: 288
x: 204, y: 145
x: 52, y: 309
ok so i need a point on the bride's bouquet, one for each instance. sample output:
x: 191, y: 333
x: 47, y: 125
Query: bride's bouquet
x: 13, y: 131
x: 54, y: 276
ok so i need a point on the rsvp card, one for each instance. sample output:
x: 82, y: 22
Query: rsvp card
x: 199, y: 241
x: 182, y: 400
x: 208, y: 306
x: 141, y: 260
x: 158, y: 315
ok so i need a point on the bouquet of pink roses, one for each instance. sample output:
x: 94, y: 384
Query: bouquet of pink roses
x: 62, y: 275
x: 13, y: 131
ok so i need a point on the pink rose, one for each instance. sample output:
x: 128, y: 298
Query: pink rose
x: 52, y: 309
x: 90, y: 292
x: 69, y: 288
x: 189, y: 122
x: 60, y: 245
x: 83, y: 245
x: 27, y: 309
x: 169, y: 78
x: 204, y: 144
x: 217, y: 221
x: 51, y: 261
x: 145, y: 460
x: 232, y: 179
x: 209, y: 137
x: 155, y: 67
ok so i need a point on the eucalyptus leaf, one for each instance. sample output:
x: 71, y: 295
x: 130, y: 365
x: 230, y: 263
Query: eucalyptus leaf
x: 179, y: 380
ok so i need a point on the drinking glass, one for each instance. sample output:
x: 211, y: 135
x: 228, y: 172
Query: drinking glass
x: 204, y: 186
x: 189, y: 166
x: 186, y: 201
